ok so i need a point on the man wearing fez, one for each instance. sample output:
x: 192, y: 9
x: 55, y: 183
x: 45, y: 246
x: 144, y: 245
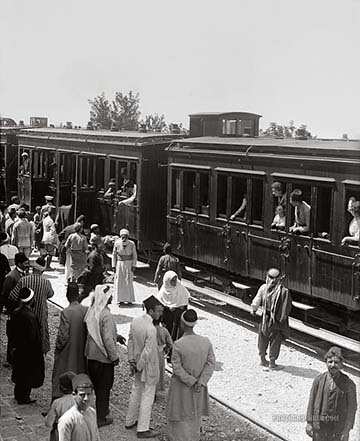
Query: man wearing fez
x: 28, y: 360
x: 332, y: 404
x: 193, y: 362
x: 144, y: 365
x: 48, y: 206
x: 79, y: 422
x: 275, y: 301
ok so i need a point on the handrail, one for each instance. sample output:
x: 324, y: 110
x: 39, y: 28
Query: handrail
x: 328, y: 253
x: 266, y: 239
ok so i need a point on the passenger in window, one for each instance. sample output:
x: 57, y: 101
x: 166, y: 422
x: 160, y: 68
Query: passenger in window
x: 278, y: 222
x: 241, y: 211
x: 302, y: 213
x: 110, y: 192
x: 128, y: 189
x: 354, y: 227
x: 278, y: 193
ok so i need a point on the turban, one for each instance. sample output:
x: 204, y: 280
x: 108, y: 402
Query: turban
x: 189, y: 317
x: 124, y: 232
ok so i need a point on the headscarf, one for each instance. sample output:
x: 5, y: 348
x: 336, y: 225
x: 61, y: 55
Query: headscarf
x: 101, y: 297
x: 173, y: 296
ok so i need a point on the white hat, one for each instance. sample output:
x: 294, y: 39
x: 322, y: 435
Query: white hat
x: 26, y: 294
x: 124, y: 232
x: 49, y: 198
x: 24, y: 154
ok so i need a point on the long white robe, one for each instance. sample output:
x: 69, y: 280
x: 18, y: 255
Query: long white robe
x: 124, y: 258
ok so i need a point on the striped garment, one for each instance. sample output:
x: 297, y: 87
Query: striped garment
x: 42, y: 291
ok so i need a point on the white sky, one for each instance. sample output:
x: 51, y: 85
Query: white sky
x: 284, y: 59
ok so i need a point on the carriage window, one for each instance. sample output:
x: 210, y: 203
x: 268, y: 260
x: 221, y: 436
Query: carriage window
x: 323, y: 212
x: 189, y: 190
x: 90, y: 181
x: 300, y: 224
x: 246, y: 127
x: 122, y: 173
x: 133, y: 172
x: 238, y: 198
x: 351, y: 195
x: 257, y: 193
x: 35, y: 164
x: 229, y: 127
x: 84, y: 168
x: 221, y: 195
x: 112, y: 169
x: 175, y: 189
x: 99, y: 174
x: 204, y: 193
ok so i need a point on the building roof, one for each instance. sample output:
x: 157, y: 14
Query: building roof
x: 225, y: 114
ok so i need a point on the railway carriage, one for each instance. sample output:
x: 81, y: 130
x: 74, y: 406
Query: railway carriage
x: 76, y: 166
x: 211, y: 176
x: 8, y: 162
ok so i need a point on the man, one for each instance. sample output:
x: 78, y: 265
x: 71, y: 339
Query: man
x: 193, y: 362
x: 10, y: 221
x: 20, y: 270
x: 275, y: 301
x: 332, y: 404
x: 110, y: 192
x: 48, y: 206
x: 50, y: 238
x: 241, y: 211
x: 23, y: 234
x: 144, y: 364
x: 43, y: 291
x: 101, y: 350
x: 77, y: 247
x: 8, y: 250
x: 4, y: 270
x: 70, y: 341
x: 15, y: 204
x: 302, y: 213
x: 278, y: 193
x: 28, y: 360
x: 94, y: 275
x: 64, y: 256
x: 79, y: 422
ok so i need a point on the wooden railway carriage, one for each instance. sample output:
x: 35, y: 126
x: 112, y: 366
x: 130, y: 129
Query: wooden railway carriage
x: 209, y: 177
x: 77, y: 165
x: 8, y: 163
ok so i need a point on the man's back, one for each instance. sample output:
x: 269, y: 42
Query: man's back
x: 194, y: 350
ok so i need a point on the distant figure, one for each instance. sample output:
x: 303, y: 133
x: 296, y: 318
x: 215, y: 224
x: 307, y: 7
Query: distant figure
x: 278, y: 193
x: 354, y: 227
x: 166, y: 263
x: 302, y: 213
x: 124, y: 259
x: 143, y: 359
x: 175, y: 298
x: 241, y: 211
x: 71, y: 338
x: 332, y: 404
x: 64, y: 254
x: 42, y: 292
x: 165, y: 345
x: 23, y: 234
x: 60, y: 405
x: 48, y: 206
x: 37, y: 219
x: 111, y: 190
x: 77, y: 246
x: 128, y: 189
x: 275, y: 301
x: 4, y: 270
x: 94, y: 274
x: 279, y: 220
x: 79, y: 422
x: 193, y: 362
x: 15, y: 204
x: 8, y: 250
x: 24, y: 168
x: 10, y: 221
x: 95, y: 237
x: 50, y: 238
x: 28, y: 360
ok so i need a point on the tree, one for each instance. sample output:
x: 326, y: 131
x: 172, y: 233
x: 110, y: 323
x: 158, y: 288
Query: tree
x: 281, y: 131
x: 100, y: 112
x: 125, y: 111
x: 154, y: 123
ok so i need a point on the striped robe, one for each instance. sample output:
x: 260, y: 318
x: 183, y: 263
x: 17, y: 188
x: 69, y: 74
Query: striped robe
x: 42, y: 291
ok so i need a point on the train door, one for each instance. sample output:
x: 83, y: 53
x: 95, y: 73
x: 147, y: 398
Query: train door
x: 87, y: 195
x: 299, y: 240
x: 189, y: 213
x: 26, y: 167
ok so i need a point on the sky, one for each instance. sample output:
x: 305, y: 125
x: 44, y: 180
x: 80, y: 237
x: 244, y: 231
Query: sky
x: 283, y: 59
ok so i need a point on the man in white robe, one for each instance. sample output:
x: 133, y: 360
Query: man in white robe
x: 193, y: 362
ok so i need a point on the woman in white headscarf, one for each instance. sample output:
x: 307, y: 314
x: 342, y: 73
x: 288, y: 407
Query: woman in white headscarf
x: 175, y: 298
x: 124, y: 260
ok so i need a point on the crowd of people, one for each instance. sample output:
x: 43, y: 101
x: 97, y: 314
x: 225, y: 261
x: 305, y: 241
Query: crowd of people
x: 86, y: 348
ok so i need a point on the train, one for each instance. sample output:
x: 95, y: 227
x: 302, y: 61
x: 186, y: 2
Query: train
x: 189, y: 189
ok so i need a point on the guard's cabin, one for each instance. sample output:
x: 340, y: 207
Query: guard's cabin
x: 224, y: 124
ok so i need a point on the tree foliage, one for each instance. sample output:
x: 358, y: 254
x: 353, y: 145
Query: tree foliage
x: 276, y: 130
x: 121, y: 114
x: 100, y: 112
x: 154, y: 123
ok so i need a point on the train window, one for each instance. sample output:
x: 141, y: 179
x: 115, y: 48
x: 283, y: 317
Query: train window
x: 122, y: 173
x: 112, y: 169
x: 257, y: 195
x: 189, y: 186
x: 229, y: 127
x: 133, y: 169
x: 35, y: 161
x: 175, y: 189
x: 247, y: 127
x: 99, y: 173
x: 221, y: 196
x: 238, y: 198
x: 323, y: 212
x: 90, y: 180
x: 204, y: 193
x: 83, y: 168
x: 351, y: 194
x: 300, y: 224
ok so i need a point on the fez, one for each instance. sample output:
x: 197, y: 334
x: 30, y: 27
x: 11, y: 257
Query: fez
x: 81, y: 380
x: 65, y: 380
x: 151, y: 302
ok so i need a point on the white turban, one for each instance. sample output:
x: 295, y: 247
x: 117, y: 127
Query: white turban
x: 124, y: 232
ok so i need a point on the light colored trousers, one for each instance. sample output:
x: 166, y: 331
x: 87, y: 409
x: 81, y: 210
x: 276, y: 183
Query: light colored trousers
x: 140, y: 404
